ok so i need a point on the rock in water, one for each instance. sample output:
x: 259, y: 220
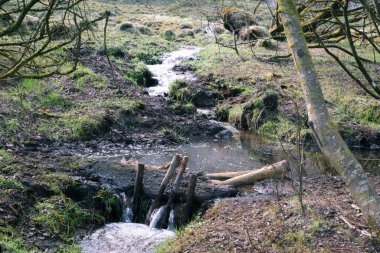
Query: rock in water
x: 124, y: 237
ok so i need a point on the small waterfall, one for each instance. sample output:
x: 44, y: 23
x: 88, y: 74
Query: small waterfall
x: 127, y: 215
x: 127, y: 211
x: 156, y: 216
x: 171, y: 221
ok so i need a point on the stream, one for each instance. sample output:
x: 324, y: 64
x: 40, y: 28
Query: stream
x: 241, y: 151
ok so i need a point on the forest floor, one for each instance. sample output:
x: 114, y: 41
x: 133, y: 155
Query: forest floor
x: 48, y: 125
x: 272, y: 220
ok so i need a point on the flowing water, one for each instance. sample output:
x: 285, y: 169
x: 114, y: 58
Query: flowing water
x: 165, y: 73
x: 125, y: 237
x: 244, y: 150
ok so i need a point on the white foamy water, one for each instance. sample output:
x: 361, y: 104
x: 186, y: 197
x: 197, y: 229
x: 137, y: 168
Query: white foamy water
x: 125, y: 237
x: 164, y: 72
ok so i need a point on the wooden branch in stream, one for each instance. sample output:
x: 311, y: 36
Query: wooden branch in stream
x: 163, y: 223
x: 157, y: 201
x: 270, y: 171
x: 133, y: 164
x: 138, y: 192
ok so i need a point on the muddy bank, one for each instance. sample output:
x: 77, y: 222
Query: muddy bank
x: 270, y: 219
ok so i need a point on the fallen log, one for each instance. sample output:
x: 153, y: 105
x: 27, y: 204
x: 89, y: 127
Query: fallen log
x: 227, y: 175
x: 134, y: 163
x: 270, y: 171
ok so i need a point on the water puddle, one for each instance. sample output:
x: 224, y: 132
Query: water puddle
x: 165, y: 74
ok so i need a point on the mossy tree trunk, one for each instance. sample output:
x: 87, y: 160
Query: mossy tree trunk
x: 326, y: 134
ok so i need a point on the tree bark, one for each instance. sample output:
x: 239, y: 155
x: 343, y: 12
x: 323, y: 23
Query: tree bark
x: 266, y: 172
x: 138, y: 192
x: 228, y: 175
x: 325, y: 133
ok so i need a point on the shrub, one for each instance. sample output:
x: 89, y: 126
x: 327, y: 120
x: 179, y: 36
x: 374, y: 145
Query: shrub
x: 144, y: 30
x: 186, y: 33
x: 270, y: 99
x: 169, y: 35
x: 126, y: 26
x: 185, y: 26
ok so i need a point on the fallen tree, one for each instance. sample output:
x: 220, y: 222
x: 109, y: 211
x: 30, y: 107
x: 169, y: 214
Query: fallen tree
x: 271, y: 171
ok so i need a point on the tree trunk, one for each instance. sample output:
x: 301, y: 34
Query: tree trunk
x: 266, y: 172
x: 229, y: 175
x: 325, y: 133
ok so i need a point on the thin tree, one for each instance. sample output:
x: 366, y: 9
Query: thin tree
x: 326, y: 134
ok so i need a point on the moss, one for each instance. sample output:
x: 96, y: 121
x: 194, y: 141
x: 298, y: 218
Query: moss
x: 12, y: 168
x: 61, y: 216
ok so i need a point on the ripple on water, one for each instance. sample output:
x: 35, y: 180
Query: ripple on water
x: 125, y: 237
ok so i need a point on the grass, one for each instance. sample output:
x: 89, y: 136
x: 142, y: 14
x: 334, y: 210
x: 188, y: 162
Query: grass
x: 61, y: 216
x: 179, y: 90
x: 57, y: 182
x: 10, y: 240
x: 7, y: 183
x: 6, y: 157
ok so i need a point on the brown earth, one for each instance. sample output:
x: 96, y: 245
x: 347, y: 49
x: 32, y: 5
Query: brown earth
x: 271, y: 220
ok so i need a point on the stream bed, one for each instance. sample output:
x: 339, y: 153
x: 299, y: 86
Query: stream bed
x: 239, y: 151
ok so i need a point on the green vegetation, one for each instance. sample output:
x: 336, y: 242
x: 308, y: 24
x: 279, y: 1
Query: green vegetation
x: 89, y: 126
x: 140, y: 74
x: 110, y: 204
x: 10, y: 240
x: 169, y: 35
x: 61, y: 216
x: 8, y: 184
x: 6, y: 157
x: 57, y: 181
x: 179, y: 90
